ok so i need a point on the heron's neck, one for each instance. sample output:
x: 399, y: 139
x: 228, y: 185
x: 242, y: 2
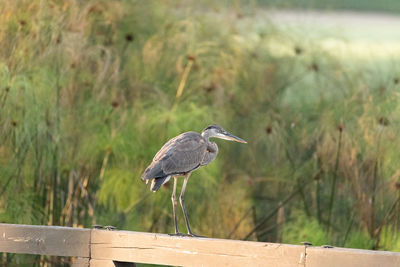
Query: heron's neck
x: 207, y: 134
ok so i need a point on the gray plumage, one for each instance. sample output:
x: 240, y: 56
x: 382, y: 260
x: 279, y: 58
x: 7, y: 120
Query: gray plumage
x: 180, y: 156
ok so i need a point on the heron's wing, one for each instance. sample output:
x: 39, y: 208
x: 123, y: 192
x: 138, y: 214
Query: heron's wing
x: 179, y: 155
x: 166, y: 147
x: 185, y: 154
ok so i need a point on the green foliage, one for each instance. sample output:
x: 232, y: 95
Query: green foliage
x: 303, y: 228
x: 389, y: 238
x: 360, y: 240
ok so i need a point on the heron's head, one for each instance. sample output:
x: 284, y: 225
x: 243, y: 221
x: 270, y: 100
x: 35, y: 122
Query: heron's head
x: 219, y: 132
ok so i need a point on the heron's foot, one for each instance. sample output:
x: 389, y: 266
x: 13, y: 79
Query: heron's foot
x: 177, y: 234
x: 193, y: 235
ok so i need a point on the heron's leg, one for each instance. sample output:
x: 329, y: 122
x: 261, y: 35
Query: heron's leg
x: 174, y: 204
x: 181, y: 199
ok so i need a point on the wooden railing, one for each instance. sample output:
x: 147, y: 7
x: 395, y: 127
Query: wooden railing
x: 94, y: 247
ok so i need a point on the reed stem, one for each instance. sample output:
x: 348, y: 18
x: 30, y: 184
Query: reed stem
x: 333, y: 188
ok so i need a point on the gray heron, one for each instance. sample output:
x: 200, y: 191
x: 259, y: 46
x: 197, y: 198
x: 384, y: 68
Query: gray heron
x: 180, y: 156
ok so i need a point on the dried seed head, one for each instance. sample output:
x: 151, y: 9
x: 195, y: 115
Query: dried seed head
x: 191, y: 57
x: 397, y: 185
x: 383, y: 121
x: 317, y: 177
x: 129, y: 37
x: 14, y: 123
x: 340, y: 127
x: 298, y: 50
x: 268, y: 130
x: 253, y: 55
x: 314, y: 67
x: 115, y: 104
x: 209, y: 87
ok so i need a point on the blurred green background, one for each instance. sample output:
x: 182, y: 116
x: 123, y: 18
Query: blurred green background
x: 88, y: 94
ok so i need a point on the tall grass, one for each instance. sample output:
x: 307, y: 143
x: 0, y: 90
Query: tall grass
x: 89, y: 91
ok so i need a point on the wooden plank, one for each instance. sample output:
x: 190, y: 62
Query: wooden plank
x: 44, y: 240
x: 330, y: 257
x: 101, y: 263
x: 108, y: 247
x: 186, y: 251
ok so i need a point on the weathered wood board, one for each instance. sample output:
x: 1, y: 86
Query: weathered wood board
x: 344, y: 257
x: 91, y: 247
x: 101, y: 263
x: 187, y: 251
x: 44, y: 240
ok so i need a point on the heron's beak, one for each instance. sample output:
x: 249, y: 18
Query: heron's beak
x: 231, y: 137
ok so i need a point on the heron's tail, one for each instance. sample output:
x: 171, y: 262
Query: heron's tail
x: 156, y: 183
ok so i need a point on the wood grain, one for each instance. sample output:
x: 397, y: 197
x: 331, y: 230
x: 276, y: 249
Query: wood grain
x: 344, y: 257
x: 92, y: 247
x: 186, y: 251
x: 44, y: 240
